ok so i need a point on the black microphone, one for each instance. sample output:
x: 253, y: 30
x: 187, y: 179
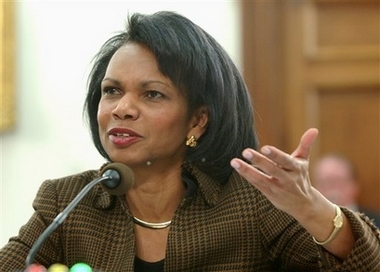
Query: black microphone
x: 122, y: 178
x: 116, y: 178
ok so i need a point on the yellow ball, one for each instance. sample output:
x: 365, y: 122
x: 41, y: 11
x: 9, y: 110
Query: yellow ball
x: 58, y: 268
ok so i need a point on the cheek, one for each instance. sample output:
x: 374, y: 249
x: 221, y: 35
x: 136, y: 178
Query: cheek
x: 102, y: 114
x: 168, y: 125
x: 176, y: 119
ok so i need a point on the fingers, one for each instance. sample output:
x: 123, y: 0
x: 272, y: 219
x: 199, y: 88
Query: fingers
x: 291, y: 162
x: 276, y: 163
x: 253, y: 175
x: 273, y: 162
x: 280, y: 158
x: 281, y: 177
x: 306, y: 141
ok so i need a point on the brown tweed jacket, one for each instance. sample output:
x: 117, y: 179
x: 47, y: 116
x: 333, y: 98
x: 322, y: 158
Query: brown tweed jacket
x: 230, y: 227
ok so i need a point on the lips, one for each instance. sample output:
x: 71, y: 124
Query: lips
x: 123, y: 132
x: 123, y: 137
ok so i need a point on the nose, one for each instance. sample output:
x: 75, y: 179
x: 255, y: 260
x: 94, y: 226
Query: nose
x: 126, y: 108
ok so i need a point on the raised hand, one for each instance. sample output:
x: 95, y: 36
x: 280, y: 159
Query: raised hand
x: 281, y: 177
x: 284, y: 180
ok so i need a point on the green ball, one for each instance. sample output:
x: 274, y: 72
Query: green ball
x: 80, y: 267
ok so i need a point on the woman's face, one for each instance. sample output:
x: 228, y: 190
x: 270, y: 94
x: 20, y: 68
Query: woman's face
x: 143, y: 118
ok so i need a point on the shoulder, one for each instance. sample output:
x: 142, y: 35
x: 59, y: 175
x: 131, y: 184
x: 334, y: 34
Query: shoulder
x: 71, y: 184
x: 215, y: 192
x: 237, y: 195
x: 60, y: 191
x: 246, y: 194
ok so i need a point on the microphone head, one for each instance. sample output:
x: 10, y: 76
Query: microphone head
x: 121, y: 178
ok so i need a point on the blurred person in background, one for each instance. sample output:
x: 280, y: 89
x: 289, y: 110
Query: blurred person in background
x: 335, y: 177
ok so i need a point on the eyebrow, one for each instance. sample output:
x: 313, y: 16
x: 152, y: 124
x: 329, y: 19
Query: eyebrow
x: 111, y: 79
x: 147, y: 82
x: 143, y: 84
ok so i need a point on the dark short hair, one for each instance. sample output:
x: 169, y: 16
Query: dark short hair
x: 198, y: 65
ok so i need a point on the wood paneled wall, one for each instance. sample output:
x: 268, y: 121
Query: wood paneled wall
x: 317, y: 64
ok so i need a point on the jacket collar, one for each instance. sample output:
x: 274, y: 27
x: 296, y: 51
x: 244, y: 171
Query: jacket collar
x: 194, y: 179
x: 209, y: 187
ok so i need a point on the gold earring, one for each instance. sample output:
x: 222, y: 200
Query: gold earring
x: 191, y: 141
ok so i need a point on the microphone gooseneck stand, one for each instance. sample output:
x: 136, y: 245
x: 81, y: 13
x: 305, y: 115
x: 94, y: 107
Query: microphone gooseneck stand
x: 110, y: 179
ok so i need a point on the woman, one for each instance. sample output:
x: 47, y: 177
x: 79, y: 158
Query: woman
x: 166, y: 100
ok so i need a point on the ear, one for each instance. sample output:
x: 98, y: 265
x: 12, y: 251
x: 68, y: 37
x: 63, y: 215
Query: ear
x: 198, y: 123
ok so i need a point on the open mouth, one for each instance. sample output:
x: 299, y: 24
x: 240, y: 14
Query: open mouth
x: 121, y: 135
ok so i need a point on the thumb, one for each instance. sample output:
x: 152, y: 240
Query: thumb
x: 306, y: 141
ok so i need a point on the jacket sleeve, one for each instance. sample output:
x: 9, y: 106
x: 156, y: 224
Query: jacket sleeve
x: 14, y: 253
x: 365, y: 256
x: 291, y: 247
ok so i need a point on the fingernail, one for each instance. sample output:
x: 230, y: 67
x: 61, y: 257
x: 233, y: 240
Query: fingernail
x: 235, y: 164
x: 248, y: 155
x: 265, y: 150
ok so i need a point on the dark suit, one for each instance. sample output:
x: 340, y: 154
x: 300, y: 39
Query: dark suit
x: 230, y: 227
x: 375, y: 216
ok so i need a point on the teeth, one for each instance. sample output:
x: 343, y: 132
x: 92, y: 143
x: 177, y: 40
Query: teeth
x: 122, y: 134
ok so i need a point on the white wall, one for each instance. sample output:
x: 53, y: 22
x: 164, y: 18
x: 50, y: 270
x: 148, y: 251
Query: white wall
x: 56, y: 41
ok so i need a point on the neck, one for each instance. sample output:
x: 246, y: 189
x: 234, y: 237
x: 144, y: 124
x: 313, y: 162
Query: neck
x: 156, y: 200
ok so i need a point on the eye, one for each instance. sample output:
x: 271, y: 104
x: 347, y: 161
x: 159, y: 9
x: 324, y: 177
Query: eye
x: 110, y: 91
x: 154, y: 95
